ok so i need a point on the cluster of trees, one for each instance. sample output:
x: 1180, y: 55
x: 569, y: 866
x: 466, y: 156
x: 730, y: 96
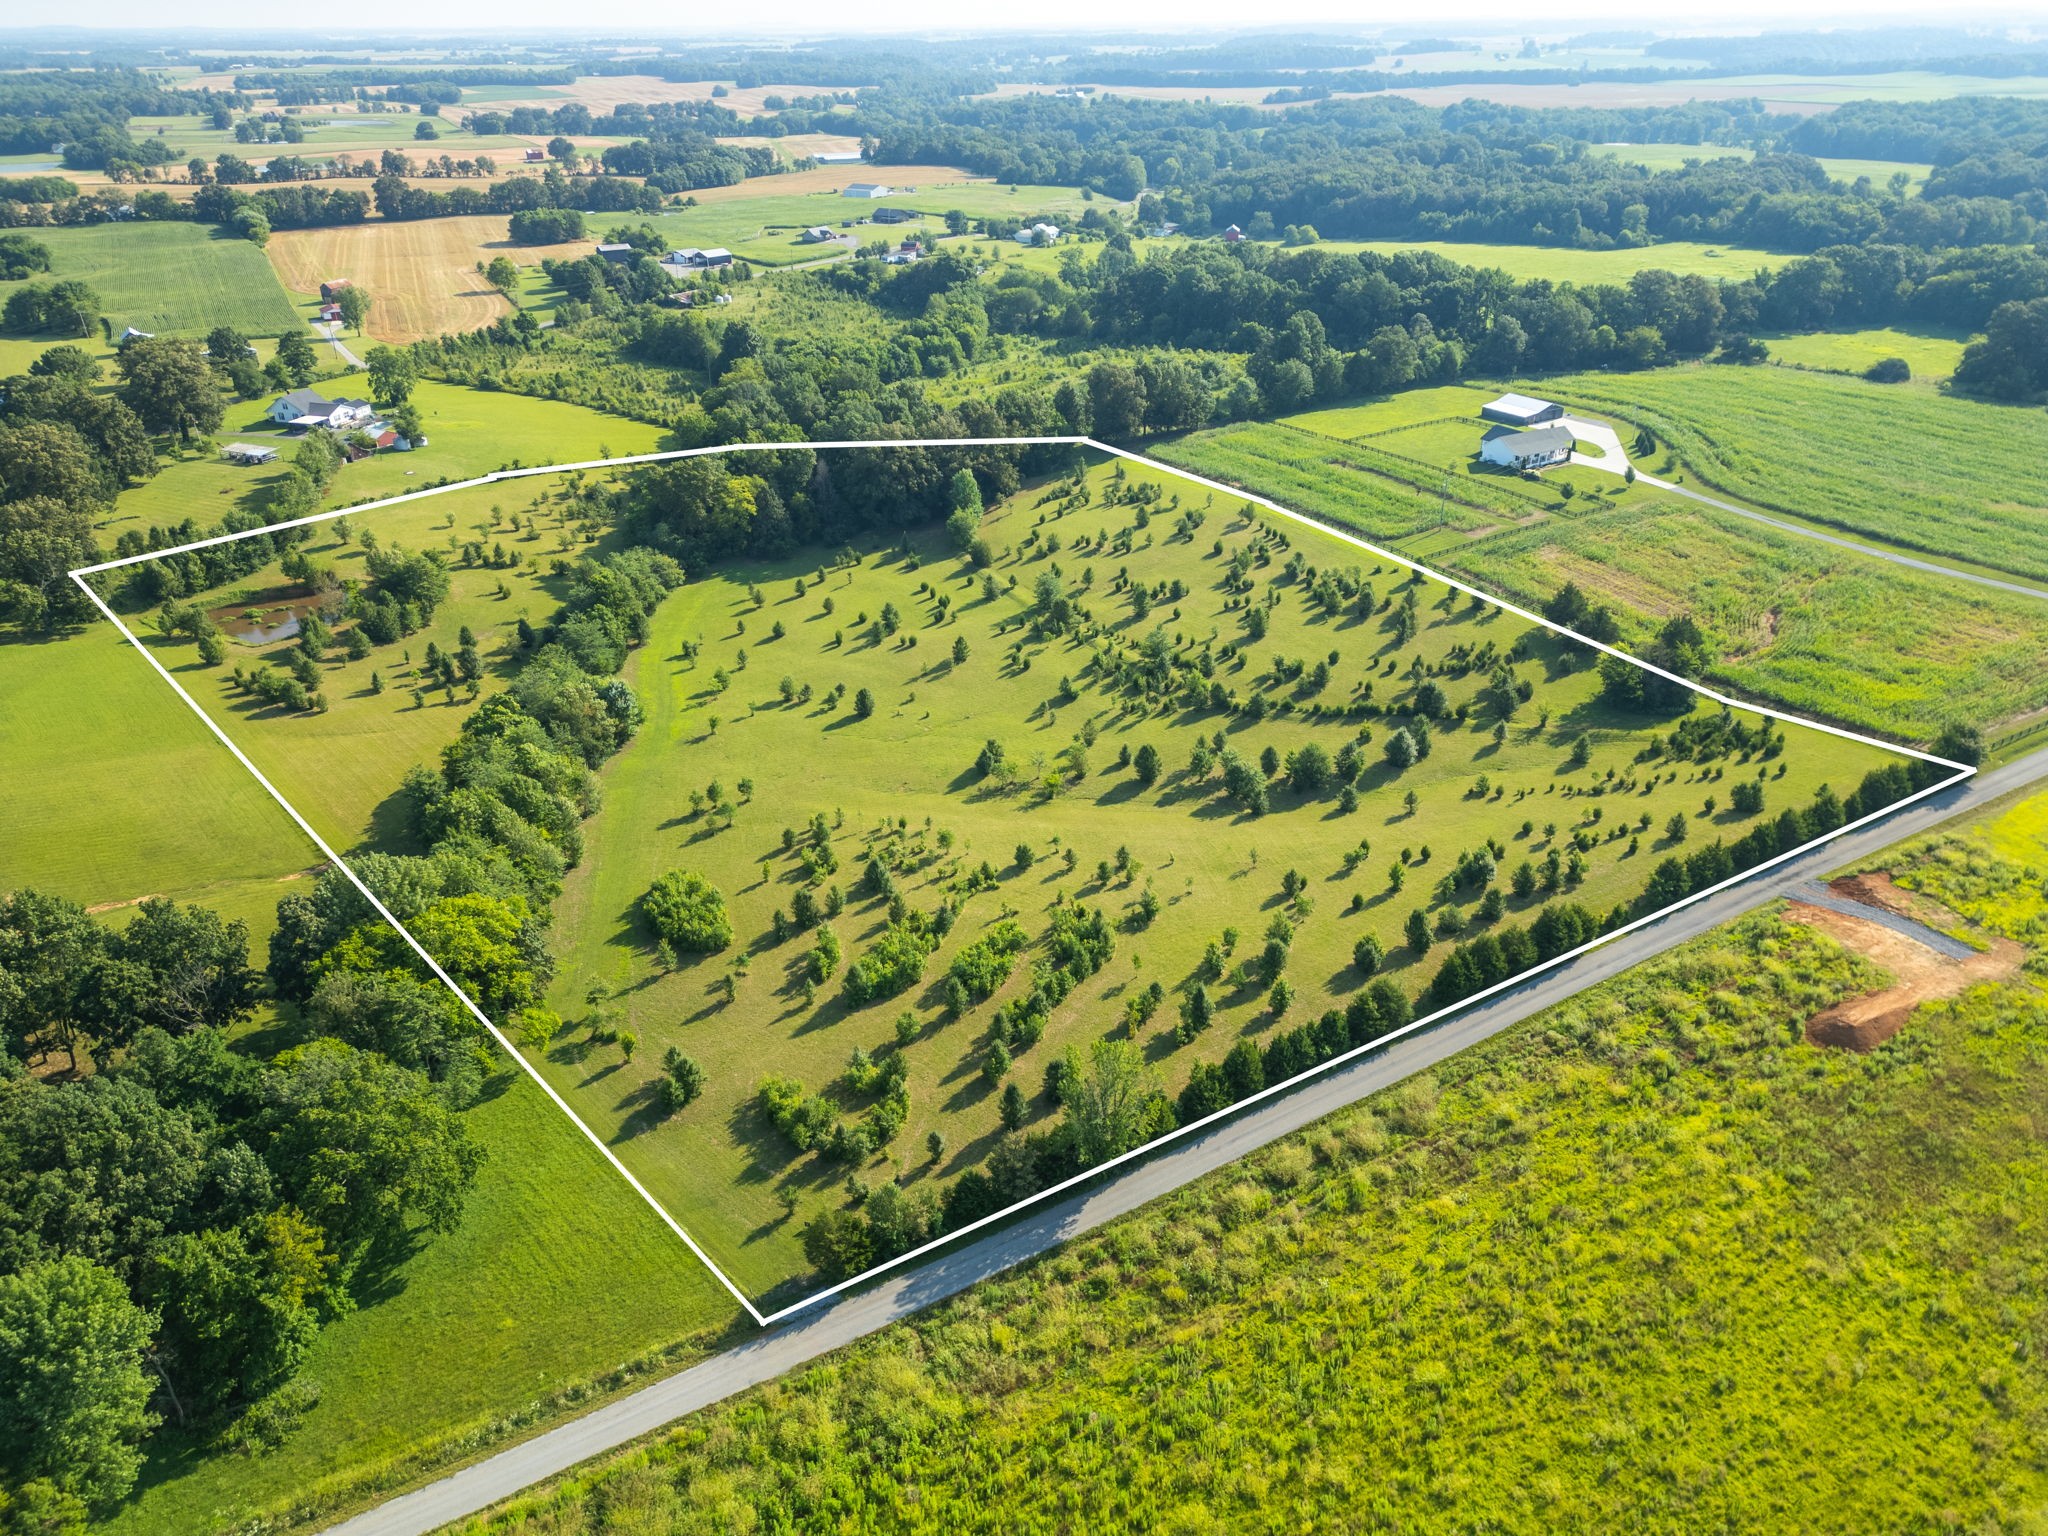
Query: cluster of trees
x: 175, y: 1227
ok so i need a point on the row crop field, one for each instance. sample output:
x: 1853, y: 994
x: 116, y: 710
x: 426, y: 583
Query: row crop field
x: 171, y: 277
x: 1809, y: 625
x: 1952, y: 477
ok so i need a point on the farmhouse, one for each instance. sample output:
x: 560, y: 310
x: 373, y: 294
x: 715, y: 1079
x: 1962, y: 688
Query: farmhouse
x: 304, y: 409
x: 1537, y: 448
x: 622, y: 254
x: 869, y: 189
x: 248, y: 453
x: 1520, y: 410
x: 1038, y: 234
x: 817, y: 234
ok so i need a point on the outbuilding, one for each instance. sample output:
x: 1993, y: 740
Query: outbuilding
x: 616, y: 252
x: 867, y: 189
x: 1520, y: 410
x: 248, y: 453
x: 1536, y: 448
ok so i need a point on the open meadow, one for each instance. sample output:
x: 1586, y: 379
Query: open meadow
x: 422, y: 273
x: 1670, y: 157
x: 1559, y: 264
x: 948, y: 659
x: 1932, y: 356
x: 182, y: 279
x: 1706, y: 1245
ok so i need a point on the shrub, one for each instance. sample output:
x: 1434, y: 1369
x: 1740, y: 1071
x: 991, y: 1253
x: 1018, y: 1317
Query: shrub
x: 686, y: 909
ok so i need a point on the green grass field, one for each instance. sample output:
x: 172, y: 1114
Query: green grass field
x: 180, y: 279
x: 1646, y: 1262
x: 1670, y: 157
x: 558, y: 1277
x: 716, y: 1165
x: 116, y: 793
x: 1559, y: 265
x: 1931, y: 356
x: 470, y: 432
x: 1815, y: 628
x: 1952, y: 477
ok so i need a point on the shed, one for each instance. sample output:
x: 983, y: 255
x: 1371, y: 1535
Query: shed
x: 248, y: 453
x: 1520, y: 410
x: 867, y: 189
x: 615, y: 252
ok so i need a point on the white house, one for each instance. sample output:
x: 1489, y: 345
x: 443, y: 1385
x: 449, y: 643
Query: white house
x: 1038, y: 234
x: 867, y: 189
x: 1520, y: 410
x: 1537, y: 448
x: 308, y: 408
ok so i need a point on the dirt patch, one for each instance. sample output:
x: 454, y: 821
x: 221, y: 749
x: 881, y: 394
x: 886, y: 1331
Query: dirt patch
x: 1920, y: 974
x: 1875, y: 889
x: 115, y: 906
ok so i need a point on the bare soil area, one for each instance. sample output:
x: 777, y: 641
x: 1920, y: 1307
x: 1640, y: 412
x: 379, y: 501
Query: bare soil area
x: 1920, y: 975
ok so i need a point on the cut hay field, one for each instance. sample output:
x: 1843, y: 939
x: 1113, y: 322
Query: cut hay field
x: 719, y: 1166
x: 601, y: 93
x: 1948, y: 476
x: 173, y: 278
x: 1560, y: 265
x: 421, y: 273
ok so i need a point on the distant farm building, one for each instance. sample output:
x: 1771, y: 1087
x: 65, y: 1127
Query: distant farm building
x: 868, y: 189
x: 132, y: 334
x: 535, y: 156
x: 817, y: 234
x: 620, y: 253
x: 894, y: 215
x: 1537, y: 448
x: 694, y: 260
x: 1520, y: 410
x: 248, y: 453
x: 331, y: 289
x: 1232, y: 235
x: 837, y: 157
x: 1038, y: 234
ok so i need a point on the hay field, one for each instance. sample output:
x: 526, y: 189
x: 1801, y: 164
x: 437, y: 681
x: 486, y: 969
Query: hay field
x: 421, y: 274
x: 601, y: 93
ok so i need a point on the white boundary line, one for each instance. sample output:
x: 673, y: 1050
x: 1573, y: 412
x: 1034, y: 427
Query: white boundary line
x: 1962, y: 771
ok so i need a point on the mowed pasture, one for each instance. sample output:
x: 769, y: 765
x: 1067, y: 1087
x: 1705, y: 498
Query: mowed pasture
x: 115, y: 792
x: 1951, y: 477
x: 176, y: 279
x: 902, y: 785
x: 421, y: 273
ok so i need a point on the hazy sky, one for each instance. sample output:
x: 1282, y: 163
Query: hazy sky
x: 669, y: 19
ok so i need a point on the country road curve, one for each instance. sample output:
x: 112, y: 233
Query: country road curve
x: 855, y: 1315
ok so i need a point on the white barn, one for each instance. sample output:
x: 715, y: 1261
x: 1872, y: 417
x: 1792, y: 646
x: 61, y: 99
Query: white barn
x: 1520, y: 410
x: 866, y: 189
